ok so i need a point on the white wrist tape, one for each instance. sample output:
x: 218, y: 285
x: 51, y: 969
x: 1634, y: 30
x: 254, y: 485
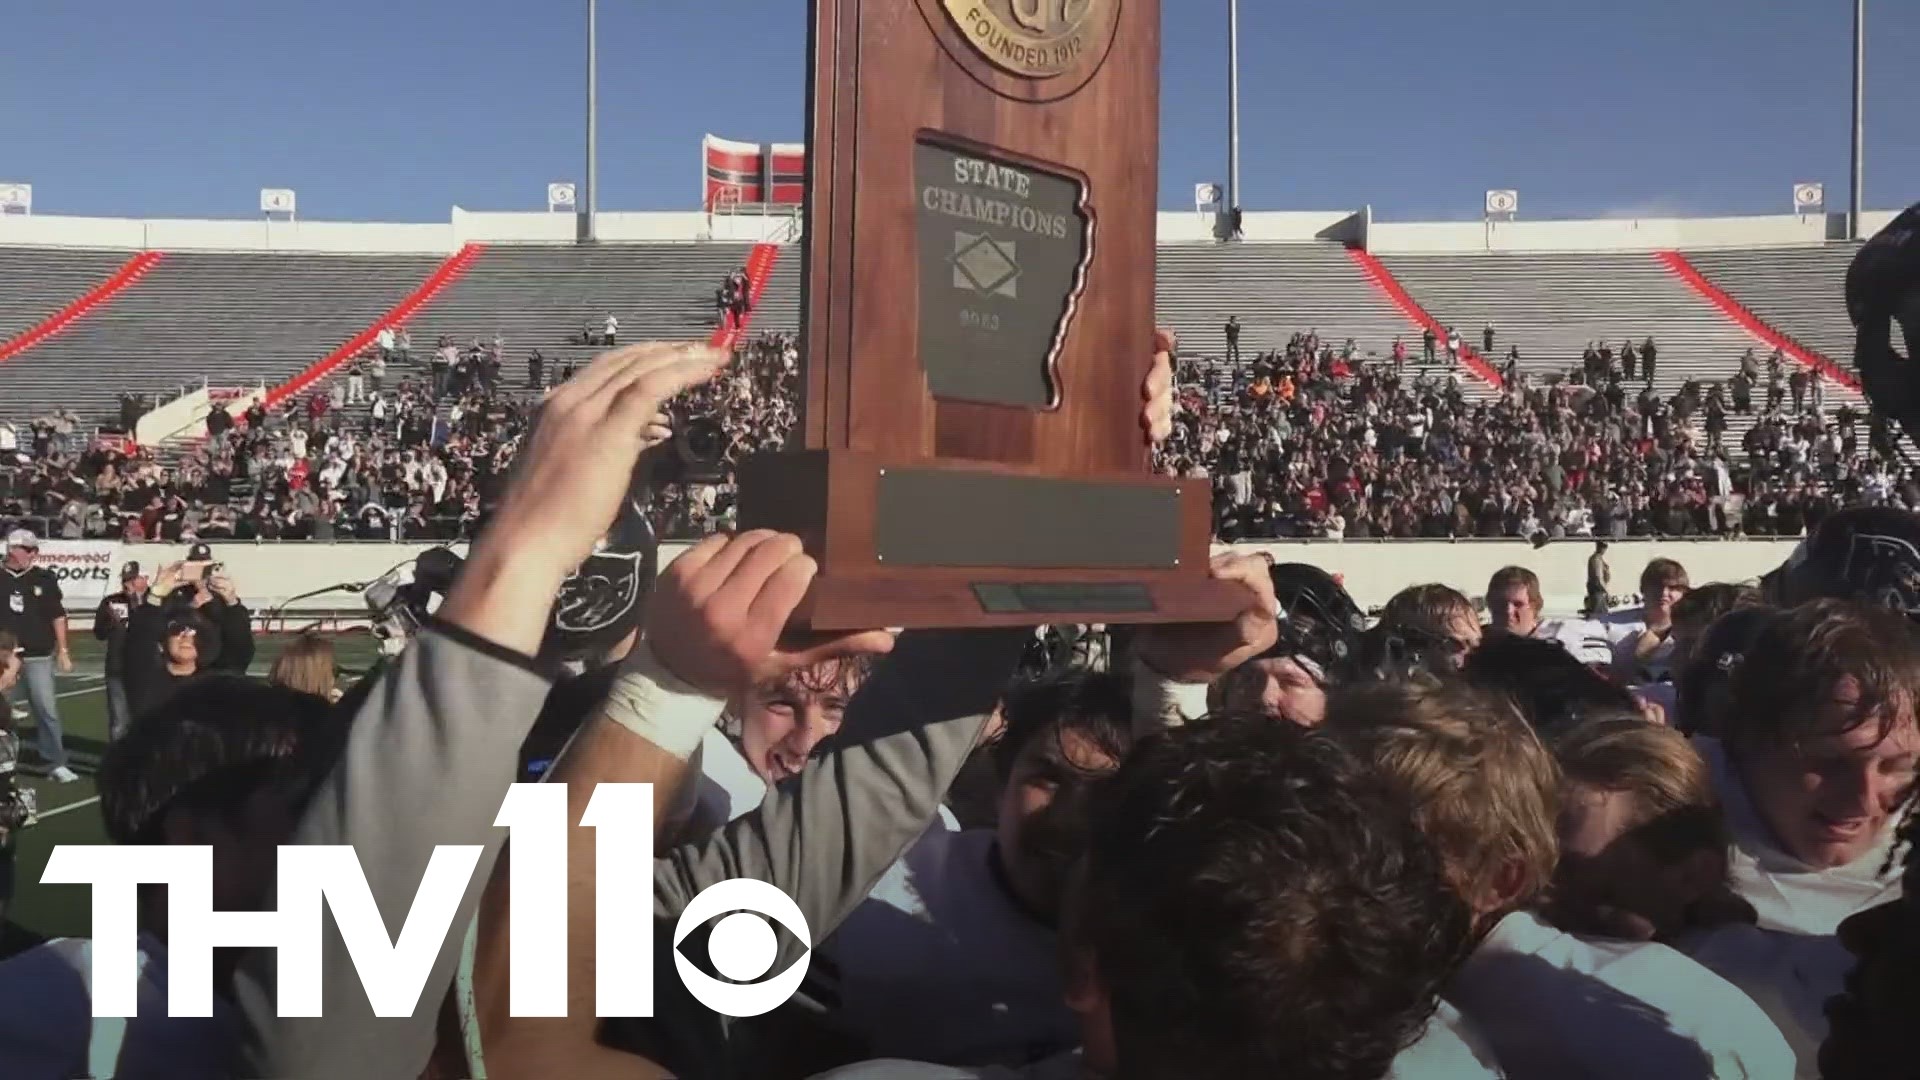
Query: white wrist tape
x: 1160, y: 702
x: 656, y: 705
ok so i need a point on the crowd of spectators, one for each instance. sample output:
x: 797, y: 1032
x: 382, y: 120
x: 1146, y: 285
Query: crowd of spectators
x: 1311, y: 440
x: 371, y: 458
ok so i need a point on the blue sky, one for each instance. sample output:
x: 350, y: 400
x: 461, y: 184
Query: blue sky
x: 398, y: 109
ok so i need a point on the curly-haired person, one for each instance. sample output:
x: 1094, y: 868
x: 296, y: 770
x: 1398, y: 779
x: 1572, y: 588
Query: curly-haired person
x: 1253, y: 904
x: 1551, y: 1004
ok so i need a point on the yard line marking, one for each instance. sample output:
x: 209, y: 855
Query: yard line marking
x: 80, y: 693
x: 58, y: 810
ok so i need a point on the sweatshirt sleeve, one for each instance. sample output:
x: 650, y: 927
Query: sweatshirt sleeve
x: 428, y: 759
x: 236, y: 639
x: 827, y: 835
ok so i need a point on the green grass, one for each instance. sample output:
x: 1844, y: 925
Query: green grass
x: 70, y: 813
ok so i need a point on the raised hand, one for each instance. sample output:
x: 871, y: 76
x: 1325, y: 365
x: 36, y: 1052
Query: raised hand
x: 1156, y: 393
x: 574, y: 470
x: 1202, y: 652
x: 718, y: 615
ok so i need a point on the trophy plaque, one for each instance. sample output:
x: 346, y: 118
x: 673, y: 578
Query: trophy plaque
x: 977, y: 320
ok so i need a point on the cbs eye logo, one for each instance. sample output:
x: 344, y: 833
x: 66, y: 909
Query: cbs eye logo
x: 742, y: 946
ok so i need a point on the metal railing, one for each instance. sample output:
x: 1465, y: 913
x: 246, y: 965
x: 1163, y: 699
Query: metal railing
x: 452, y: 530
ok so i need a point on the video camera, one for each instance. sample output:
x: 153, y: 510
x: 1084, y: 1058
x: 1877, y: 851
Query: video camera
x: 19, y: 806
x: 401, y: 600
x: 697, y: 452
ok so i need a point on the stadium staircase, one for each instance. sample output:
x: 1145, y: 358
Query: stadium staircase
x: 1797, y: 293
x: 542, y: 298
x: 32, y: 281
x: 759, y: 268
x: 414, y: 302
x: 1552, y: 304
x: 1470, y: 359
x: 1277, y: 290
x: 239, y: 319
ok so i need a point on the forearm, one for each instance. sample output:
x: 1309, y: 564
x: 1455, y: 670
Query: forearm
x: 427, y: 762
x: 60, y: 634
x: 513, y: 1046
x: 1160, y: 702
x: 503, y: 597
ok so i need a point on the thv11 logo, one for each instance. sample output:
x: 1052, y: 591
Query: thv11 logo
x: 741, y: 945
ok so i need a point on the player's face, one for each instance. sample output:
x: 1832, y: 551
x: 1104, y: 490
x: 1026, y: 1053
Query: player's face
x: 782, y: 724
x: 1513, y: 611
x: 1830, y: 798
x: 1278, y: 687
x: 1042, y: 830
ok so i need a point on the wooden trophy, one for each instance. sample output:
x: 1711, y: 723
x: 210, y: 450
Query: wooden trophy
x: 977, y: 313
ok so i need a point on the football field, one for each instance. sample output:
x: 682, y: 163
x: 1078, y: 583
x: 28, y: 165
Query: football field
x: 70, y: 813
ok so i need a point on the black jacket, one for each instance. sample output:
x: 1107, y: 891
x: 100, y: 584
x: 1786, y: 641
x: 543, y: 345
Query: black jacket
x: 224, y: 634
x: 110, y: 625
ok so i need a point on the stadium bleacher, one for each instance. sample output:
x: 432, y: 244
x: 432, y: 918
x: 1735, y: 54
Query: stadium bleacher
x: 35, y: 283
x: 236, y: 319
x: 1276, y: 290
x: 1796, y: 290
x: 1552, y: 304
x: 246, y: 318
x: 541, y: 297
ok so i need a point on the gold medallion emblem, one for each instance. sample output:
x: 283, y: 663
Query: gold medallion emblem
x: 1035, y: 38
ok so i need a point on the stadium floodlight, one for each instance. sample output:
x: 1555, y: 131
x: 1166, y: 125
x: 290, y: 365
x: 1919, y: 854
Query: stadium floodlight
x: 586, y: 229
x: 1859, y: 117
x: 1233, y: 105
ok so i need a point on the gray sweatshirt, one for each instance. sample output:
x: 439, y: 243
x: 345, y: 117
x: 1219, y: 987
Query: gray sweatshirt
x: 433, y: 751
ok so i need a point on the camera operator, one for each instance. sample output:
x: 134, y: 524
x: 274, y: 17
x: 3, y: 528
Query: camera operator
x: 184, y: 629
x: 110, y: 626
x: 224, y: 610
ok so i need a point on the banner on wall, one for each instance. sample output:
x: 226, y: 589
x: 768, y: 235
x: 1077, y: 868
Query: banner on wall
x: 89, y: 570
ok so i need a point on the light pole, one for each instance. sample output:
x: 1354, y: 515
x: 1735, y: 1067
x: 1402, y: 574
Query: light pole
x: 1857, y: 195
x: 1233, y: 107
x: 592, y: 193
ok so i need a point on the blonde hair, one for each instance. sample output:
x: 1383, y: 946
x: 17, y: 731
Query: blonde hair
x: 306, y: 665
x: 1674, y: 805
x: 1482, y: 787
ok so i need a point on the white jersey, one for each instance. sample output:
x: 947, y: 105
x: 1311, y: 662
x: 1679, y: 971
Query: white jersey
x: 1585, y: 639
x: 1790, y: 976
x: 1554, y: 1005
x: 941, y: 964
x: 1451, y: 1048
x: 1622, y: 627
